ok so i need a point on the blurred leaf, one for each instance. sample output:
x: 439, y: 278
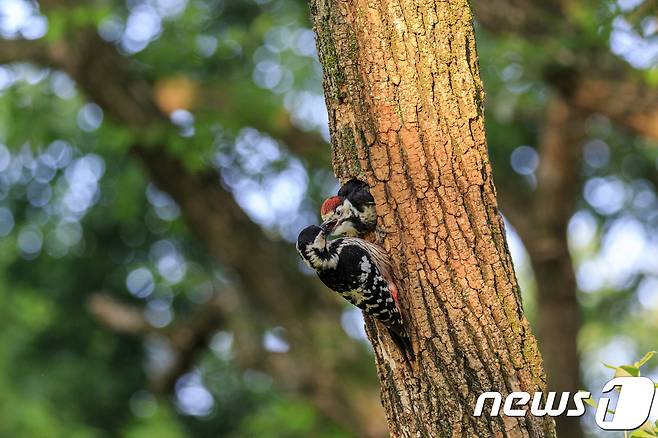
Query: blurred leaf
x: 161, y: 424
x: 590, y: 401
x: 624, y: 370
x: 646, y: 358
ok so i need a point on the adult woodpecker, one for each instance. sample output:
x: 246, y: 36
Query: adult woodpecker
x: 353, y: 210
x: 360, y: 272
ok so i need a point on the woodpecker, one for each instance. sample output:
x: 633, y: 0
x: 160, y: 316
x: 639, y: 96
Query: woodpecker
x: 353, y: 210
x: 360, y: 272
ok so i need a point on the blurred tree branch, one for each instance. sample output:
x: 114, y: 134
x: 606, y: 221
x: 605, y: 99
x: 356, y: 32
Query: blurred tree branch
x: 621, y: 95
x: 22, y: 50
x: 188, y: 338
x: 119, y: 317
x: 533, y: 18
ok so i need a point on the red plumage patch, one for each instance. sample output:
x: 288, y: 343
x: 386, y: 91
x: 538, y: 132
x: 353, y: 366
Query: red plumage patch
x: 330, y: 204
x: 394, y: 291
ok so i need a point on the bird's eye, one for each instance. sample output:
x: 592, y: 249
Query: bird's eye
x: 339, y: 210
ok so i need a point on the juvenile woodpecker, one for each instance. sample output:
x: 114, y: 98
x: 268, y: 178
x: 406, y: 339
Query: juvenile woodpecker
x: 360, y: 272
x: 353, y: 210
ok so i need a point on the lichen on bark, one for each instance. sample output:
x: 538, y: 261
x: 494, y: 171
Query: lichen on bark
x: 404, y: 97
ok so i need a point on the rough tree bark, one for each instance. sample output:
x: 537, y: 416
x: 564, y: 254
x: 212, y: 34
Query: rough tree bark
x: 404, y: 95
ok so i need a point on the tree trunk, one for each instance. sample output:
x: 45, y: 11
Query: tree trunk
x: 558, y: 184
x: 541, y: 218
x: 404, y: 96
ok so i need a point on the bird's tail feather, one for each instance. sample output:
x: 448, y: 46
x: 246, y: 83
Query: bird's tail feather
x: 404, y: 344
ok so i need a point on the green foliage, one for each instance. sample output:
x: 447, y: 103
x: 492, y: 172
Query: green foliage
x: 63, y: 22
x: 631, y: 370
x: 62, y: 372
x: 285, y: 418
x: 648, y: 429
x: 161, y: 424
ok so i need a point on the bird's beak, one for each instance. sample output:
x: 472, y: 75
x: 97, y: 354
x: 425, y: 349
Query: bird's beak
x: 328, y: 226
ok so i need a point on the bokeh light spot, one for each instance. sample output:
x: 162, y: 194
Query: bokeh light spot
x: 140, y: 282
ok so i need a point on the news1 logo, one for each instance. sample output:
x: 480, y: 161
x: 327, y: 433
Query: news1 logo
x: 634, y: 402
